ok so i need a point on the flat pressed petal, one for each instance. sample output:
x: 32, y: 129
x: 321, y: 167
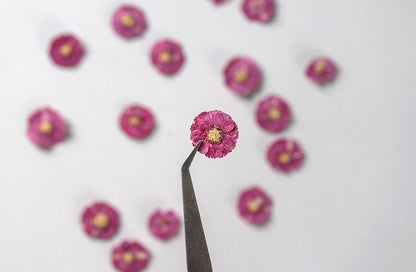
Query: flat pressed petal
x: 217, y: 131
x: 129, y: 21
x: 66, y: 50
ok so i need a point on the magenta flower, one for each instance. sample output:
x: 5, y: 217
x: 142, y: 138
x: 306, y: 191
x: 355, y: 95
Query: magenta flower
x: 217, y: 131
x: 137, y: 121
x: 254, y: 205
x: 66, y: 50
x: 46, y: 127
x: 129, y: 22
x: 259, y: 10
x: 321, y: 70
x: 100, y: 221
x: 130, y: 256
x: 167, y: 56
x: 242, y: 75
x: 164, y: 224
x: 285, y: 155
x: 273, y: 114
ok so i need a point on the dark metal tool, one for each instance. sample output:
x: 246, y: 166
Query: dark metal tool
x: 197, y: 255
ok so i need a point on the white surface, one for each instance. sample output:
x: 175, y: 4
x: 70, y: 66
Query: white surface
x: 350, y: 208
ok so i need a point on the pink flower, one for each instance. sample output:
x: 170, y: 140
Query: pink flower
x: 130, y: 256
x: 66, y: 50
x: 242, y: 75
x: 219, y: 1
x: 167, y: 57
x: 46, y: 127
x: 137, y: 121
x: 254, y: 205
x: 259, y: 10
x: 285, y: 155
x: 129, y: 22
x: 217, y: 131
x: 273, y: 114
x: 100, y: 221
x: 163, y: 224
x: 321, y: 70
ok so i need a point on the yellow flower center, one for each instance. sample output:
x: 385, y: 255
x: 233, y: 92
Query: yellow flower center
x: 127, y: 20
x: 284, y: 158
x: 214, y: 135
x: 100, y: 220
x: 257, y: 4
x: 65, y: 50
x: 240, y: 75
x: 165, y: 57
x: 273, y: 113
x: 127, y: 257
x: 319, y: 67
x: 134, y: 121
x: 254, y: 205
x: 45, y: 127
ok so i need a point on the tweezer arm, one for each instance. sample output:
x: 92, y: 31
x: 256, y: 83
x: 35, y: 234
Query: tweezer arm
x: 197, y: 255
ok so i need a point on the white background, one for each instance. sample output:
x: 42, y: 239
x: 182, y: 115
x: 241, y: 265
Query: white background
x: 350, y: 208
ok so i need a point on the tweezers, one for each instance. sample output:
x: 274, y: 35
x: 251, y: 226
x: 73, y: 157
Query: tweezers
x: 197, y: 255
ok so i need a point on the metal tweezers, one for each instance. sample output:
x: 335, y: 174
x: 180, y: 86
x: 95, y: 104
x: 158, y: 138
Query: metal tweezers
x: 197, y: 255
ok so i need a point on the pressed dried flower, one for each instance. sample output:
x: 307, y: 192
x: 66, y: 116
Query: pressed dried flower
x: 46, y: 127
x: 100, y: 220
x: 130, y: 256
x: 273, y: 114
x: 163, y: 224
x: 254, y: 205
x: 285, y: 155
x: 242, y: 75
x: 129, y: 21
x: 321, y: 70
x: 217, y: 131
x: 66, y: 50
x: 167, y: 56
x: 137, y: 121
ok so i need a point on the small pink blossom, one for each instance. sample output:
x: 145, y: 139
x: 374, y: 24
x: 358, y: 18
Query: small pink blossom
x: 46, y: 127
x: 273, y: 114
x: 100, y: 221
x: 137, y: 121
x: 129, y: 21
x: 254, y: 205
x: 259, y: 10
x: 163, y: 224
x: 285, y: 155
x: 321, y: 70
x: 66, y: 50
x: 217, y: 131
x: 130, y: 256
x: 167, y: 56
x: 242, y: 75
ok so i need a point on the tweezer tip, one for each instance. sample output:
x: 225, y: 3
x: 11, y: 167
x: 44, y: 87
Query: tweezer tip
x: 188, y: 161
